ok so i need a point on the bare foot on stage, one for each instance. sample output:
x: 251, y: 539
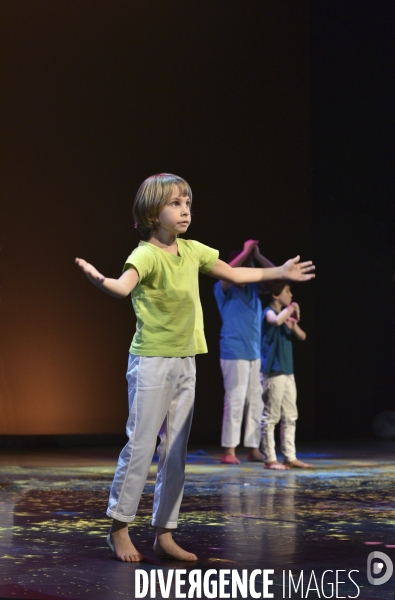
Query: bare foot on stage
x: 298, y: 464
x: 255, y: 456
x: 165, y: 547
x: 276, y: 466
x: 119, y: 542
x: 229, y: 459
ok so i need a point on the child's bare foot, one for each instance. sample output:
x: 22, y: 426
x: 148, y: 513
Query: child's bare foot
x: 229, y: 459
x: 165, y: 547
x: 255, y: 456
x: 119, y: 542
x: 297, y: 464
x: 276, y: 466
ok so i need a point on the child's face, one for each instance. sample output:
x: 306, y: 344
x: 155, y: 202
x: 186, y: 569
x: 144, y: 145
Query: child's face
x: 175, y: 215
x: 285, y: 298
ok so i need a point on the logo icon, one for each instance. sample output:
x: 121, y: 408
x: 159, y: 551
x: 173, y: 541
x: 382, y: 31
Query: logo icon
x: 376, y: 563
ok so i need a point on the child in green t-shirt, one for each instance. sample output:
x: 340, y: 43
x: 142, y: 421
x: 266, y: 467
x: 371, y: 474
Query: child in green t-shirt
x: 162, y: 276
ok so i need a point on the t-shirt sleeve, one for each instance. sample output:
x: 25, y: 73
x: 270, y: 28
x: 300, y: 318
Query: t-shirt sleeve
x: 267, y: 310
x: 143, y: 260
x: 207, y: 256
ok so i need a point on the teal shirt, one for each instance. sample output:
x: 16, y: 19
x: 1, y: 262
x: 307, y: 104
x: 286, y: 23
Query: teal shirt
x: 276, y: 347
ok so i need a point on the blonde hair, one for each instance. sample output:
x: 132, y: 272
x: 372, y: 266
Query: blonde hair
x: 151, y: 196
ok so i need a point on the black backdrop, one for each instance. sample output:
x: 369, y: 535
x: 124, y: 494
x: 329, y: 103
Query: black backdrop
x: 353, y: 99
x: 251, y: 102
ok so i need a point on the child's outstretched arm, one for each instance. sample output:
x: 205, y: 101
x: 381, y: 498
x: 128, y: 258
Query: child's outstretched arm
x: 118, y: 288
x: 292, y: 270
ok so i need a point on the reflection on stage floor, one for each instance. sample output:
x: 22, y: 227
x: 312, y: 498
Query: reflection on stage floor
x: 298, y: 523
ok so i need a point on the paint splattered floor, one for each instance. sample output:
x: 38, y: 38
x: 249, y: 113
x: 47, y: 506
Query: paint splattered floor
x: 53, y: 523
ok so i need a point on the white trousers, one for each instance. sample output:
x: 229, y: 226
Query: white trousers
x: 161, y: 396
x: 243, y: 396
x: 279, y: 398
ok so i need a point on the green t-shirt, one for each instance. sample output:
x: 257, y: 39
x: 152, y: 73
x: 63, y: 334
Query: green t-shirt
x: 166, y: 300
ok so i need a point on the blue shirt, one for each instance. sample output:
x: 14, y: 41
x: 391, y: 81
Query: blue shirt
x: 276, y: 347
x: 241, y: 314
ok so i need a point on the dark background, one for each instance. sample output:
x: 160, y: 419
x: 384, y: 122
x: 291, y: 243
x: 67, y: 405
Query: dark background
x: 353, y: 99
x: 280, y: 116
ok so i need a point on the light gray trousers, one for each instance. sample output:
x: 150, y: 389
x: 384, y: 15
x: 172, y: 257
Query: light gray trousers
x: 279, y: 397
x: 161, y: 396
x: 243, y: 397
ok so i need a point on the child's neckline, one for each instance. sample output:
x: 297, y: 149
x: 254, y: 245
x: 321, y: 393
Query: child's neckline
x: 178, y: 255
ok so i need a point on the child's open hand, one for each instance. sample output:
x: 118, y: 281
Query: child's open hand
x: 92, y: 274
x: 294, y: 270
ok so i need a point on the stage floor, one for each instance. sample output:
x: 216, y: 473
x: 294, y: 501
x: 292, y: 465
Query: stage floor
x: 330, y: 518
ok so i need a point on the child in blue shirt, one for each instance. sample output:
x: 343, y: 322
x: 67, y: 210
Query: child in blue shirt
x: 240, y: 358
